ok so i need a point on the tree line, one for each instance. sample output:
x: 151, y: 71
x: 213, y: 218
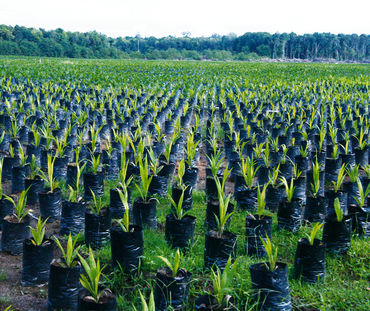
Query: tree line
x: 20, y: 40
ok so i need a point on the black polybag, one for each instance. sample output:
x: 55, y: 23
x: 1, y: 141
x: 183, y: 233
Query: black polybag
x: 34, y: 186
x: 246, y: 198
x: 360, y: 220
x: 273, y: 197
x: 179, y: 232
x: 13, y: 235
x: 6, y: 208
x: 315, y: 209
x: 158, y: 185
x: 217, y: 249
x: 88, y: 305
x: 331, y: 195
x: 191, y: 176
x: 19, y: 174
x: 337, y: 235
x: 290, y: 215
x: 94, y: 183
x: 145, y: 213
x: 50, y: 204
x: 116, y: 205
x: 271, y: 288
x: 97, y: 228
x: 171, y: 291
x: 309, y: 262
x: 36, y: 262
x: 127, y: 247
x: 255, y: 229
x: 187, y: 202
x: 72, y: 220
x: 8, y: 165
x: 64, y: 286
x: 60, y: 168
x: 213, y: 211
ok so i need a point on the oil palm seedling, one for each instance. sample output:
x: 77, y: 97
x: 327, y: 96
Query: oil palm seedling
x: 220, y: 243
x: 264, y: 277
x: 50, y: 197
x: 15, y: 226
x: 37, y: 256
x: 90, y: 281
x: 171, y: 280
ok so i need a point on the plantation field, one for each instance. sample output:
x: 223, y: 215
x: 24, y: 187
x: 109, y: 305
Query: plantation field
x: 295, y: 138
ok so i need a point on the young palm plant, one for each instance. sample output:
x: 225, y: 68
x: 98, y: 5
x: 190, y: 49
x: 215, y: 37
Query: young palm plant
x: 91, y: 280
x: 221, y: 282
x: 38, y: 233
x: 20, y: 211
x: 143, y: 188
x: 271, y: 251
x: 70, y: 254
x: 224, y: 202
x: 49, y: 178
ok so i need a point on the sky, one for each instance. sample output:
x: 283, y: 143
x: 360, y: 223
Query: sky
x: 161, y: 18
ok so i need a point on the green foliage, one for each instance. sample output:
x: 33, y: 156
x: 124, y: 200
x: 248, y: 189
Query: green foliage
x: 180, y: 174
x: 338, y: 210
x: 363, y: 194
x: 221, y: 281
x: 71, y: 252
x: 143, y: 188
x: 144, y: 305
x: 191, y: 149
x: 175, y: 266
x: 39, y: 232
x: 352, y: 173
x: 223, y: 202
x: 124, y: 223
x: 11, y: 151
x: 273, y: 176
x: 261, y: 200
x: 271, y: 251
x: 289, y: 189
x: 341, y: 175
x: 61, y: 145
x: 97, y: 204
x: 249, y: 171
x: 22, y: 156
x: 179, y: 212
x: 94, y: 273
x: 215, y: 163
x: 95, y: 164
x: 314, y: 232
x: 49, y: 178
x: 74, y: 192
x: 20, y: 205
x: 34, y: 168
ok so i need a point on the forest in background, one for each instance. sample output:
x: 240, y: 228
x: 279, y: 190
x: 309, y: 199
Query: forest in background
x: 25, y: 41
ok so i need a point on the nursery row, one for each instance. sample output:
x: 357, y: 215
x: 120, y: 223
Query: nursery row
x: 219, y: 182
